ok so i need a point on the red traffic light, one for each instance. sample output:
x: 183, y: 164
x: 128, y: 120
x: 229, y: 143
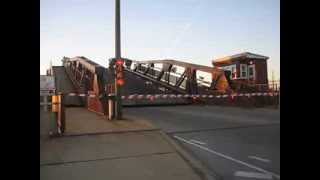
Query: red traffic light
x: 119, y: 62
x: 119, y: 72
x: 120, y: 82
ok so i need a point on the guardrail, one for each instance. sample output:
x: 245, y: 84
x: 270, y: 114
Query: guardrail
x: 167, y: 96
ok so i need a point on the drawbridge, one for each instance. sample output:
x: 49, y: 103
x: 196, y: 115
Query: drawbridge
x: 79, y: 75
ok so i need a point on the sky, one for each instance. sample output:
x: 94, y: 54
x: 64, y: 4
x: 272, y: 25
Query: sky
x: 195, y: 31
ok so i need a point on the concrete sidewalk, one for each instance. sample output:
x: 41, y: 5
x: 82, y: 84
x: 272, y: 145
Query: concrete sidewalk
x: 81, y: 121
x: 128, y: 155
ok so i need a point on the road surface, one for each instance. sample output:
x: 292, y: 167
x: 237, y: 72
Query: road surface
x: 234, y: 143
x: 138, y: 155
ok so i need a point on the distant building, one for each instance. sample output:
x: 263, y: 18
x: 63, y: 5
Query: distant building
x: 245, y: 67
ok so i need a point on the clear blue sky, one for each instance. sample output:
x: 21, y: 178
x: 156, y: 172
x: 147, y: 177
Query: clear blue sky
x: 194, y: 31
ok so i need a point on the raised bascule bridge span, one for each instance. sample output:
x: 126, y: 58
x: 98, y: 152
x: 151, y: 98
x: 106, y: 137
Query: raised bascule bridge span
x: 153, y: 82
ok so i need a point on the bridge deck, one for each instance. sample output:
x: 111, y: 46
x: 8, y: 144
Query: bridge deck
x: 64, y: 85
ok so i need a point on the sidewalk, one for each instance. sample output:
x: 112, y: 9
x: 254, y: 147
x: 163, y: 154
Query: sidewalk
x: 81, y: 121
x: 139, y: 152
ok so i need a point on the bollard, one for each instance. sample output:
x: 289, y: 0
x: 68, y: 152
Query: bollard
x: 110, y: 106
x: 59, y: 109
x: 62, y: 114
x: 55, y: 102
x: 55, y: 110
x: 59, y: 114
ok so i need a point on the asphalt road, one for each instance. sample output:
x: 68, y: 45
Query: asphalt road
x: 234, y: 143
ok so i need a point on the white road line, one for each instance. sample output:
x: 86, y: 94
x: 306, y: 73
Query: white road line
x: 198, y: 142
x: 228, y: 157
x: 253, y: 175
x: 259, y: 159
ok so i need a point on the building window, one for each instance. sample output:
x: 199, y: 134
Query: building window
x: 234, y: 72
x: 232, y: 69
x: 251, y: 72
x: 243, y: 68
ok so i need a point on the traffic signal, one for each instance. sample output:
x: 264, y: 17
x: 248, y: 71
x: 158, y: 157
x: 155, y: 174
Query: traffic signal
x: 119, y: 72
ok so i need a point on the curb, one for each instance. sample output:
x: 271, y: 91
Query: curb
x: 107, y: 132
x: 195, y: 164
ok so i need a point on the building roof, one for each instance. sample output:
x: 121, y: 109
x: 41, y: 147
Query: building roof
x: 245, y: 55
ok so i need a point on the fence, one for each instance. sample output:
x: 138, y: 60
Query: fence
x: 258, y: 99
x: 45, y: 98
x: 243, y: 99
x: 274, y: 86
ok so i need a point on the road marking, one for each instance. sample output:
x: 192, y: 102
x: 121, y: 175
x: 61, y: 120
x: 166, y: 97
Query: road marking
x: 198, y: 142
x: 253, y: 175
x: 228, y: 157
x: 259, y: 159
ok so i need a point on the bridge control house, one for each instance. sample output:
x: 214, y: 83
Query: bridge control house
x: 247, y: 68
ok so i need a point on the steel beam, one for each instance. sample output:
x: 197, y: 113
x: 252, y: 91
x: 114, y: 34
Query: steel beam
x: 178, y: 90
x: 179, y: 63
x: 181, y: 79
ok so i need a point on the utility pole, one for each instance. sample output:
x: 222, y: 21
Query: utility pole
x: 118, y: 103
x: 117, y: 26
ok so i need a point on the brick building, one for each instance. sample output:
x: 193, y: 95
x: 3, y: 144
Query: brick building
x: 246, y: 67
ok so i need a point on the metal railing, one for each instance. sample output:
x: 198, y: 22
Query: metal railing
x: 45, y: 96
x: 274, y: 86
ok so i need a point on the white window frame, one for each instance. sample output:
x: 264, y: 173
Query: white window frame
x: 242, y: 71
x: 235, y: 71
x: 229, y: 68
x: 254, y: 72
